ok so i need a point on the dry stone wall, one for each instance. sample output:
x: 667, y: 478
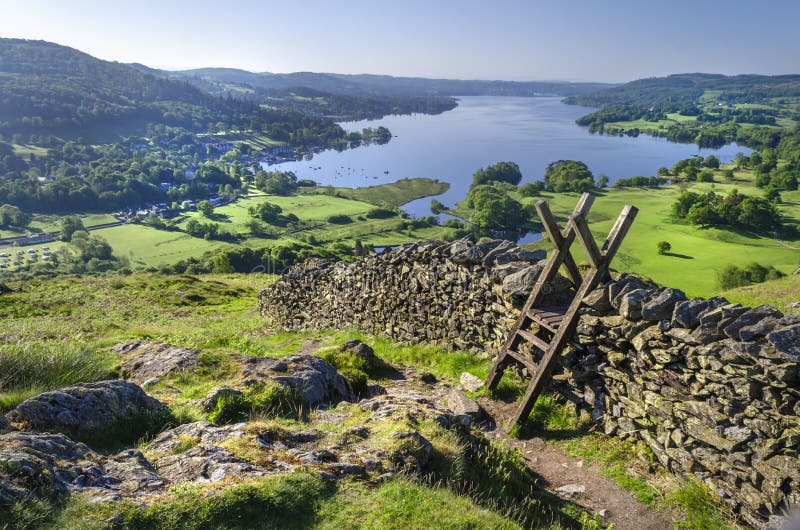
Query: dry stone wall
x: 459, y: 295
x: 712, y: 388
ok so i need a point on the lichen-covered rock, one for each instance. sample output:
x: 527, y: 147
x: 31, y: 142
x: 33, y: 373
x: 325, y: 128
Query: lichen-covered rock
x: 520, y: 284
x: 359, y: 349
x: 687, y: 313
x: 205, y: 463
x: 662, y: 305
x: 630, y: 304
x: 86, y: 407
x: 52, y: 465
x: 787, y: 341
x: 315, y: 380
x: 149, y: 360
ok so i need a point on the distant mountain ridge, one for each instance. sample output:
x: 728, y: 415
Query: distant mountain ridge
x: 371, y: 84
x: 676, y: 90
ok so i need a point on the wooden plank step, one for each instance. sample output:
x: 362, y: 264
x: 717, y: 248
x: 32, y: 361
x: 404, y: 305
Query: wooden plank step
x: 525, y: 360
x: 533, y: 339
x: 550, y: 317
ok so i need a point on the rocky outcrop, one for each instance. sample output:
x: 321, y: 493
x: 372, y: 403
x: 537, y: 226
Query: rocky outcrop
x: 150, y: 361
x: 4, y: 424
x: 315, y: 380
x: 52, y: 465
x: 458, y: 294
x: 85, y: 408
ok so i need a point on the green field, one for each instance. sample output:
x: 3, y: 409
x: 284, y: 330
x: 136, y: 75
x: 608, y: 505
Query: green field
x: 389, y: 195
x: 697, y: 253
x: 52, y: 223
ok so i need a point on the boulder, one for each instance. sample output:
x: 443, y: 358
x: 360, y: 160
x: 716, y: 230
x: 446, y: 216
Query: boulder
x: 360, y: 349
x: 315, y: 380
x: 470, y: 382
x: 215, y: 394
x: 86, y: 407
x: 152, y: 360
x: 205, y: 463
x: 5, y: 425
x: 463, y: 407
x: 662, y: 305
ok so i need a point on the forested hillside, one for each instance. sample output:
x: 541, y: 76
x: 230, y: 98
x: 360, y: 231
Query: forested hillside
x: 710, y: 110
x: 52, y: 90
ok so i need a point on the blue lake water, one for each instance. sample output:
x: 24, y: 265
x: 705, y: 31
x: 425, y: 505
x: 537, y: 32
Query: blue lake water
x: 483, y: 130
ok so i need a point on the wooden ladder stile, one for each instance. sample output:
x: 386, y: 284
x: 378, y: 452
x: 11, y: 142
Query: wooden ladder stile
x: 558, y: 321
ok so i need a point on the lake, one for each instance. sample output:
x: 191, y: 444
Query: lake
x: 483, y: 130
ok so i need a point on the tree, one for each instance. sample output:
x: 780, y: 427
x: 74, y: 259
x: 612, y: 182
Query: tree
x: 267, y: 212
x: 663, y: 247
x: 13, y: 216
x: 711, y: 161
x: 437, y: 207
x: 568, y: 175
x: 155, y: 221
x: 493, y: 209
x: 69, y: 225
x: 500, y: 172
x: 531, y: 189
x: 602, y: 182
x: 205, y: 208
x: 705, y: 176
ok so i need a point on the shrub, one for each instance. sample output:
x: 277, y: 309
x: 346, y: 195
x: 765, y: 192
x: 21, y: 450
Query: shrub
x: 663, y: 247
x: 380, y: 213
x: 352, y: 367
x: 732, y: 276
x: 266, y: 397
x: 340, y: 219
x: 501, y: 172
x: 531, y: 189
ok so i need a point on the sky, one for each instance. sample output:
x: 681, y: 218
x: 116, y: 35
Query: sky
x: 572, y: 40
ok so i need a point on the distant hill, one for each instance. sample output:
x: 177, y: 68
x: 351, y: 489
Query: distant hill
x: 680, y: 90
x: 48, y: 89
x: 367, y: 84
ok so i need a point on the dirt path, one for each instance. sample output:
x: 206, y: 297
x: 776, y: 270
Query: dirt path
x: 555, y: 469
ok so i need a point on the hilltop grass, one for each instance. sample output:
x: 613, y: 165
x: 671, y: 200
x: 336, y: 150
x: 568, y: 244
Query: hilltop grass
x: 697, y: 253
x: 298, y: 501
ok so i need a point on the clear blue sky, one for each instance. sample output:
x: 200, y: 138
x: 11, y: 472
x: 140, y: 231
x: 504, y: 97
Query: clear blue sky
x: 596, y: 40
